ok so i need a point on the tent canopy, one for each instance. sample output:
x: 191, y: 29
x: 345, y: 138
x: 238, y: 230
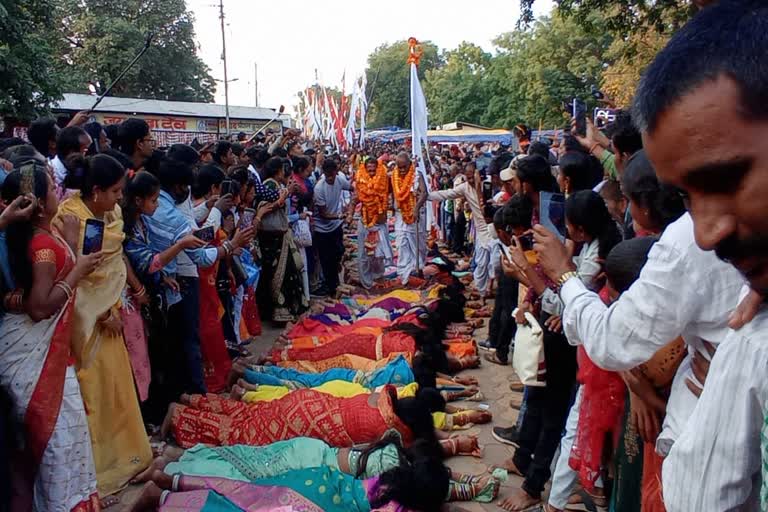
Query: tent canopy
x: 449, y: 134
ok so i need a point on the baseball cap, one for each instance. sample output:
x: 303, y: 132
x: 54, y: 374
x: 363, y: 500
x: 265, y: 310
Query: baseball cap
x: 507, y: 174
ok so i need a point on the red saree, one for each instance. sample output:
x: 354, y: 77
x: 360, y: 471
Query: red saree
x: 340, y: 422
x: 364, y: 345
x: 216, y: 361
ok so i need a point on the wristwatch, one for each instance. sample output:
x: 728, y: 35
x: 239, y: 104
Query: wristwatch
x: 565, y: 277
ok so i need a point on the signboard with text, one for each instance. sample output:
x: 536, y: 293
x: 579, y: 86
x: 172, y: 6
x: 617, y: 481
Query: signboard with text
x: 188, y: 124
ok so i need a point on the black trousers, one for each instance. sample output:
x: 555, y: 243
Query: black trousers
x: 330, y: 249
x: 502, y: 327
x: 546, y: 412
x: 184, y: 321
x: 459, y: 231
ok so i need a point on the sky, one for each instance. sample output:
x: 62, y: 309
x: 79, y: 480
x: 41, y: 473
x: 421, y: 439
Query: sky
x: 288, y: 41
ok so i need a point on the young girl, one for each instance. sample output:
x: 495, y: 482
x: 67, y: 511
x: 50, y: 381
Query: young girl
x: 590, y: 224
x: 140, y: 196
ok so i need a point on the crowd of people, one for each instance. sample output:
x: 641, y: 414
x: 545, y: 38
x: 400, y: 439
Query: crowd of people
x: 135, y: 277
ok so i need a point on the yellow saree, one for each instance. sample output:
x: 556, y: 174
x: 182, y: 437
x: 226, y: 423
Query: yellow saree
x: 120, y: 444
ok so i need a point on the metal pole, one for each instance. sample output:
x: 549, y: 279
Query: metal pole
x: 224, y: 58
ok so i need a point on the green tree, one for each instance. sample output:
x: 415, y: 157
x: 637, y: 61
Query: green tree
x: 388, y: 76
x: 106, y: 35
x: 29, y: 80
x: 629, y: 57
x: 457, y: 90
x: 539, y: 68
x: 623, y: 17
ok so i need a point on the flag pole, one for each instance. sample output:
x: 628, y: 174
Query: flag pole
x: 414, y: 55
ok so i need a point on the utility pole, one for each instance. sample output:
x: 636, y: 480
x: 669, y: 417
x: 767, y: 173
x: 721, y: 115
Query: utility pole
x: 256, y: 82
x: 224, y: 58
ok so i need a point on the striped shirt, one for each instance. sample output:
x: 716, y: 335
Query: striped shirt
x: 715, y: 464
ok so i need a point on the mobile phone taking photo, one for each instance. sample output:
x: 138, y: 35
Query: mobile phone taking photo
x: 93, y: 237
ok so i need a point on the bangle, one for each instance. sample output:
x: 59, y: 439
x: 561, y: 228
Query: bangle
x: 65, y: 288
x: 565, y: 277
x: 592, y: 149
x: 140, y: 292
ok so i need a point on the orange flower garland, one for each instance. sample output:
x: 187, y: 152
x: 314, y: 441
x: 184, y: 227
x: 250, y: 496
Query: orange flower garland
x: 372, y: 192
x: 402, y: 188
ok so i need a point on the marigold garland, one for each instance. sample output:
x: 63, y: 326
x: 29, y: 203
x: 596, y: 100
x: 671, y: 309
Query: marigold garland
x: 372, y: 192
x: 402, y: 188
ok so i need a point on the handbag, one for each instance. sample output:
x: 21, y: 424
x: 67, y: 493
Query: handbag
x: 276, y: 220
x: 528, y: 357
x: 302, y: 235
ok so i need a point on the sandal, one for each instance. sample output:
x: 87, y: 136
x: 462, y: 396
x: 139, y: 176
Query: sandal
x: 491, y: 357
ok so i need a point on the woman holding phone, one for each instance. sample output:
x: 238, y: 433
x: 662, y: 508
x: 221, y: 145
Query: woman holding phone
x: 34, y: 365
x: 120, y: 445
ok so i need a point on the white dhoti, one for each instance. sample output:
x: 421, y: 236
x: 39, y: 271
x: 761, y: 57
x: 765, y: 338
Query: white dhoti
x: 372, y: 267
x: 405, y: 237
x: 482, y: 273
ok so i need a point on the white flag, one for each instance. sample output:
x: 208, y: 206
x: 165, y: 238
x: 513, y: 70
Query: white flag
x: 419, y: 130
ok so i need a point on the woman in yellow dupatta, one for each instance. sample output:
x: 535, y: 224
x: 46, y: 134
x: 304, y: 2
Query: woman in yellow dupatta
x: 120, y: 445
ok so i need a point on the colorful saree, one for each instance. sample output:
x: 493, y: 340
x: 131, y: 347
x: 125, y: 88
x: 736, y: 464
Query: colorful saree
x: 363, y: 345
x: 305, y: 490
x: 343, y: 389
x: 216, y: 361
x: 348, y: 361
x: 248, y: 463
x: 398, y: 372
x: 120, y: 445
x: 36, y: 370
x: 280, y: 288
x: 341, y: 422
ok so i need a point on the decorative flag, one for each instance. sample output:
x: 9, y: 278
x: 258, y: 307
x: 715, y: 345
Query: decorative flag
x: 418, y: 118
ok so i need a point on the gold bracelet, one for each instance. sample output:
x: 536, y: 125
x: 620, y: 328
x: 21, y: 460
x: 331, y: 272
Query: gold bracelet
x: 565, y: 277
x: 65, y: 288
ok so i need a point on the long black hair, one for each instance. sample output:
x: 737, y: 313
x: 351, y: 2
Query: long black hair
x: 421, y: 485
x: 86, y: 173
x: 416, y: 412
x: 640, y: 184
x: 19, y: 234
x: 587, y: 210
x: 141, y: 186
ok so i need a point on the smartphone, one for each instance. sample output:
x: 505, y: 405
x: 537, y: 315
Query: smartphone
x: 552, y: 208
x: 246, y: 219
x: 226, y: 187
x: 205, y: 234
x: 93, y: 237
x: 487, y: 191
x: 526, y: 242
x: 579, y: 113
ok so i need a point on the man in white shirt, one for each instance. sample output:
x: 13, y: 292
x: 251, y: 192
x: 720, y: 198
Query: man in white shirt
x: 329, y: 219
x: 710, y: 71
x: 468, y: 192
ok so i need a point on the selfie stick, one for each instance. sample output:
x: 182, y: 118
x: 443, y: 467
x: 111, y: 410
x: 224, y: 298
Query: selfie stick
x: 147, y: 43
x: 279, y: 113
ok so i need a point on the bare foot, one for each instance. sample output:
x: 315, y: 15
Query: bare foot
x: 158, y: 464
x: 509, y: 466
x: 149, y: 499
x: 479, y: 483
x: 166, y: 427
x: 520, y: 501
x: 236, y: 393
x: 162, y: 480
x: 247, y: 385
x: 237, y: 371
x: 109, y: 501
